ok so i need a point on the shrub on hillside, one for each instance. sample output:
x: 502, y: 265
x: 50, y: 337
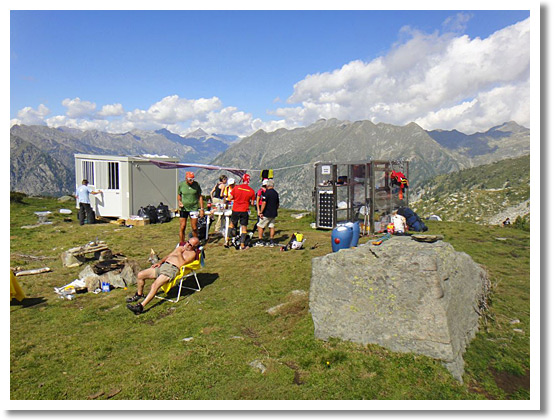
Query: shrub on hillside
x: 522, y: 222
x: 17, y: 197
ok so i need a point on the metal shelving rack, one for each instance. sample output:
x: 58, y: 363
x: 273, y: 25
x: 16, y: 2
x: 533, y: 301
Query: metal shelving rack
x: 356, y: 191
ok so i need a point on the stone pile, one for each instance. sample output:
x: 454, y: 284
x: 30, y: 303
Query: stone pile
x: 118, y: 278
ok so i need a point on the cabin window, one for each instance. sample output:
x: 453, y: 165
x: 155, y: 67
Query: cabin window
x: 88, y: 172
x: 113, y: 177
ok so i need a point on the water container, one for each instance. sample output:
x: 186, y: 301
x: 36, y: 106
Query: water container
x: 355, y: 234
x: 341, y: 238
x: 355, y: 227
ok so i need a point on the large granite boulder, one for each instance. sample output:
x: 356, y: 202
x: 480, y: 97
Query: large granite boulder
x: 404, y: 295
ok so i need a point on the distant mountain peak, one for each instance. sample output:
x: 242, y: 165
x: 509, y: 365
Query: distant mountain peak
x: 198, y: 133
x: 510, y: 126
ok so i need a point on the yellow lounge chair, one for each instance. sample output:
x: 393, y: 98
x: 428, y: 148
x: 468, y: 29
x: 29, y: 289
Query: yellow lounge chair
x: 15, y: 290
x: 185, y: 272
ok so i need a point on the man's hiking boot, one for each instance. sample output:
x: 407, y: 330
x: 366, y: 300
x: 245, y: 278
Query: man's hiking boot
x: 137, y: 309
x: 271, y: 244
x: 260, y: 242
x: 134, y: 298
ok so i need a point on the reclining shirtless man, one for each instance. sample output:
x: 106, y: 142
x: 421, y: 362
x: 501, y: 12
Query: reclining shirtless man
x: 163, y: 271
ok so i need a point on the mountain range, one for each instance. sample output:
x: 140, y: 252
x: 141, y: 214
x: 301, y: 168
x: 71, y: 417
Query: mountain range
x: 501, y: 142
x: 292, y: 153
x: 47, y: 154
x: 42, y: 158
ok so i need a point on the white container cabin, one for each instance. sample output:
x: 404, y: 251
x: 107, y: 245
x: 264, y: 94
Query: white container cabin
x: 127, y: 183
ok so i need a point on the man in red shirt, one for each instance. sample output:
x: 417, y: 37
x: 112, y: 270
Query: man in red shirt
x: 243, y: 197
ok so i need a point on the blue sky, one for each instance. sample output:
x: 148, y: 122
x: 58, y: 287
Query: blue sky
x: 234, y: 72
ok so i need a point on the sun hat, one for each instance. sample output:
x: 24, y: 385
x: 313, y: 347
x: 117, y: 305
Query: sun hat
x: 231, y: 181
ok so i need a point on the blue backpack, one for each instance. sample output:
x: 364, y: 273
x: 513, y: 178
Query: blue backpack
x: 412, y: 220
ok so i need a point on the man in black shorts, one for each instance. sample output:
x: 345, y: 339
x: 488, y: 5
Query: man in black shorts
x: 191, y: 205
x: 268, y: 211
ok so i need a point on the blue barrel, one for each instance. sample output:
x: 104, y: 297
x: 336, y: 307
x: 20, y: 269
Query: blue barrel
x: 355, y: 233
x: 355, y: 226
x: 341, y: 238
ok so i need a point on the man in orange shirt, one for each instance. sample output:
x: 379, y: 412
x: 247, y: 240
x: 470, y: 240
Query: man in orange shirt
x: 243, y: 197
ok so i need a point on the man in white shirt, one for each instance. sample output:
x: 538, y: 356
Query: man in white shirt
x: 82, y: 195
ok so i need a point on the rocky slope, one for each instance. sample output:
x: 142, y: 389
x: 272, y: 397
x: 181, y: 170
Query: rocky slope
x: 49, y: 176
x: 500, y: 142
x: 485, y: 194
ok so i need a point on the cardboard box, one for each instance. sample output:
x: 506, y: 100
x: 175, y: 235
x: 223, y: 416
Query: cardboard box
x: 137, y: 222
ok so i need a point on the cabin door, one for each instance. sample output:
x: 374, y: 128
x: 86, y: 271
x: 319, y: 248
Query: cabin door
x: 109, y: 181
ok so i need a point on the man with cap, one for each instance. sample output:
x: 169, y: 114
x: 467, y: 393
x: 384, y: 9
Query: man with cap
x: 191, y: 204
x: 82, y: 195
x: 243, y: 196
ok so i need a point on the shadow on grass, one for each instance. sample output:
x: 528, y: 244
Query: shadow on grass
x: 219, y: 239
x: 28, y: 302
x: 204, y: 279
x: 282, y: 238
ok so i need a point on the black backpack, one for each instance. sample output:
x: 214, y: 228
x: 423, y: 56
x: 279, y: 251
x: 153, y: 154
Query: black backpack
x: 150, y: 212
x: 202, y: 226
x: 163, y: 213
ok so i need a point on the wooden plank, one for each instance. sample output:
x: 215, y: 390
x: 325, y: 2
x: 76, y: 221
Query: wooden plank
x: 35, y: 271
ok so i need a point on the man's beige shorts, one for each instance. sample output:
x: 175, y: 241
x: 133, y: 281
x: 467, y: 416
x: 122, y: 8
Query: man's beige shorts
x: 167, y: 269
x: 266, y: 221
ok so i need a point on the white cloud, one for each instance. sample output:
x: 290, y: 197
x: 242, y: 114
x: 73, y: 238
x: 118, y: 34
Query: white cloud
x: 173, y: 109
x: 170, y: 112
x: 427, y: 76
x: 78, y: 108
x: 457, y: 23
x: 226, y: 120
x: 500, y: 104
x: 30, y: 116
x: 79, y: 123
x: 114, y: 110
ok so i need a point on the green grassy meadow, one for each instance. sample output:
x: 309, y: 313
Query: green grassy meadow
x: 202, y: 347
